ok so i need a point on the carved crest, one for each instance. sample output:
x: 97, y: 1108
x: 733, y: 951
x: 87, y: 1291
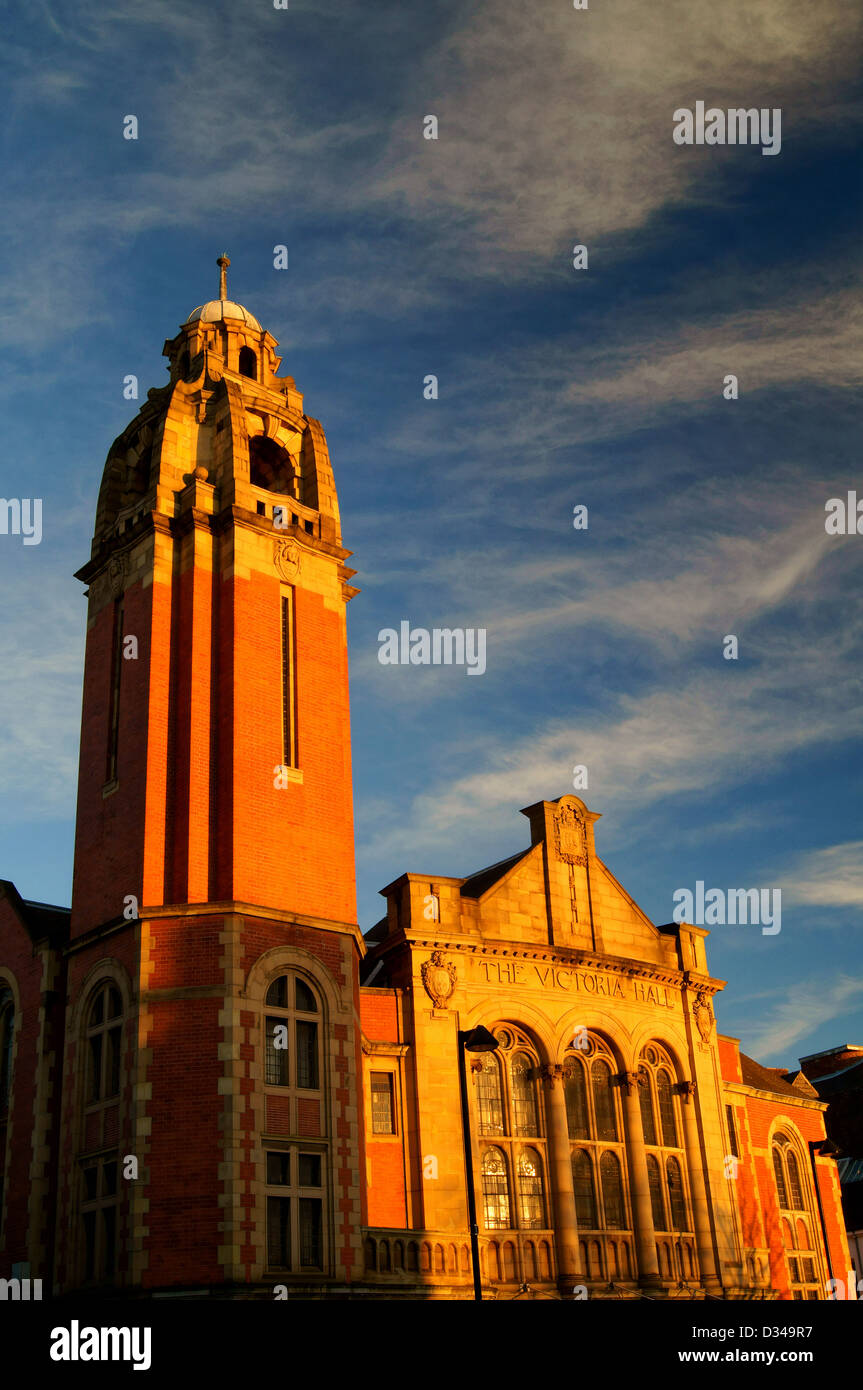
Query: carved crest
x: 703, y: 1014
x: 286, y: 557
x: 439, y: 977
x: 571, y: 835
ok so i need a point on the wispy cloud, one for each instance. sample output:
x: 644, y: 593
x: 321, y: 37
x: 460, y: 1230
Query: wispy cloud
x: 801, y: 1010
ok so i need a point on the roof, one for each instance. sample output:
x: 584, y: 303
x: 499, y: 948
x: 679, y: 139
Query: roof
x: 850, y: 1078
x: 773, y: 1079
x: 850, y: 1170
x: 42, y: 920
x: 377, y: 932
x: 478, y: 883
x: 217, y: 309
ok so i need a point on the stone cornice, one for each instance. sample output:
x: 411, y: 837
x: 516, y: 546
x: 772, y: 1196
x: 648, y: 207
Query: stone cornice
x: 566, y: 956
x: 738, y: 1088
x: 217, y: 909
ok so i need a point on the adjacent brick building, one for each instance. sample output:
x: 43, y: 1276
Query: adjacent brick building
x: 211, y: 1082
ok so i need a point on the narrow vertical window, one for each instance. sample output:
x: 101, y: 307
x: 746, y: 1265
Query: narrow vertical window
x: 732, y: 1131
x: 532, y: 1207
x: 648, y: 1123
x: 603, y: 1099
x: 575, y: 1092
x: 382, y: 1103
x: 495, y: 1191
x: 654, y: 1183
x: 585, y: 1192
x: 489, y: 1096
x: 114, y: 701
x: 525, y: 1116
x: 7, y: 1021
x: 289, y: 683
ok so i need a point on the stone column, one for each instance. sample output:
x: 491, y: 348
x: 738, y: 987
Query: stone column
x: 700, y: 1204
x: 560, y: 1171
x: 645, y: 1236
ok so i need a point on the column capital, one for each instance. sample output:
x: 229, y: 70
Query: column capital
x: 686, y: 1089
x: 550, y: 1072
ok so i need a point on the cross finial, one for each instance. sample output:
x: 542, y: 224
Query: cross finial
x: 223, y: 262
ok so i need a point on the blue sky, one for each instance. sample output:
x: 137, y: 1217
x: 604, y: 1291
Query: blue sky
x: 259, y: 127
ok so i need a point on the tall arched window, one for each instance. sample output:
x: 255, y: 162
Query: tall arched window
x: 489, y: 1095
x: 666, y: 1163
x: 585, y: 1191
x: 99, y: 1156
x: 7, y: 1040
x: 575, y: 1092
x: 270, y: 466
x: 594, y: 1118
x: 530, y: 1190
x: 292, y: 1035
x: 296, y: 1170
x: 795, y: 1207
x: 495, y: 1191
x: 509, y: 1110
x: 654, y: 1183
x: 525, y: 1116
x: 248, y: 363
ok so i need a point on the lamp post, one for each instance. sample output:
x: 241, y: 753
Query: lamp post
x: 474, y: 1040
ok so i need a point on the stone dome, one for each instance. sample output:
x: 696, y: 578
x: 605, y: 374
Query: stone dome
x: 217, y: 309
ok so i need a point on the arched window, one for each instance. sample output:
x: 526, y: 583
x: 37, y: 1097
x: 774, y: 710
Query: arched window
x: 509, y: 1109
x: 779, y: 1173
x: 7, y: 1039
x: 654, y: 1183
x: 603, y: 1099
x: 585, y: 1194
x: 296, y: 1170
x: 490, y: 1095
x: 666, y: 1110
x: 575, y: 1092
x: 598, y: 1158
x: 495, y: 1191
x: 667, y: 1176
x: 795, y: 1192
x: 645, y: 1097
x: 612, y: 1191
x: 99, y: 1155
x: 270, y: 466
x: 292, y: 1035
x: 676, y: 1195
x: 104, y: 1030
x: 524, y: 1109
x: 248, y: 363
x: 530, y: 1195
x: 795, y: 1206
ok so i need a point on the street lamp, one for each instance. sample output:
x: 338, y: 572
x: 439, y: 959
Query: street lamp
x: 473, y: 1040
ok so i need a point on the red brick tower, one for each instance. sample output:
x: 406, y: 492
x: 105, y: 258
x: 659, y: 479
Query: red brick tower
x: 214, y: 893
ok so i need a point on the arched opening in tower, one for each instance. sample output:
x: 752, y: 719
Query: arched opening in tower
x: 270, y: 466
x: 248, y: 363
